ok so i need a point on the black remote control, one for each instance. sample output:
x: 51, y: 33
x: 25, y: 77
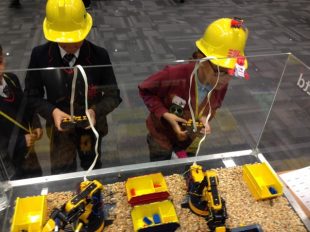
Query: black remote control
x: 75, y: 121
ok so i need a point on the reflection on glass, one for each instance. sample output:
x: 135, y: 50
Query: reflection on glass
x: 20, y: 128
x: 236, y: 125
x: 3, y: 197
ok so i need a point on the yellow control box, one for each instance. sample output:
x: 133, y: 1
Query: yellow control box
x: 262, y: 181
x: 157, y: 216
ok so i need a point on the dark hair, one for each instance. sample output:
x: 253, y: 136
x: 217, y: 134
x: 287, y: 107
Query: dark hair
x: 198, y: 54
x: 0, y: 49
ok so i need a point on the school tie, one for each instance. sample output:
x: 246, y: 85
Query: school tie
x: 9, y: 95
x: 6, y: 91
x: 67, y: 59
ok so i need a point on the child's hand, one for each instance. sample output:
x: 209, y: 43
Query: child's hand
x: 38, y: 132
x: 92, y: 115
x: 30, y: 139
x: 174, y: 121
x: 207, y: 128
x: 58, y: 116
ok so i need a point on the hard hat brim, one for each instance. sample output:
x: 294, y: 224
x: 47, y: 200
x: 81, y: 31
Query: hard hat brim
x: 73, y: 36
x: 225, y: 62
x: 228, y: 62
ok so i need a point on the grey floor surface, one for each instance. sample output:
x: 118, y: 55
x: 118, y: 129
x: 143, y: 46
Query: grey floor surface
x: 143, y: 35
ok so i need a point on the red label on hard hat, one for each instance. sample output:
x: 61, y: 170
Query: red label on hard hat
x: 233, y: 53
x: 240, y: 60
x: 236, y: 22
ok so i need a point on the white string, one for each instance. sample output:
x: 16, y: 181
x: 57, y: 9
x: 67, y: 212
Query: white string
x: 208, y: 102
x: 73, y: 93
x: 190, y: 86
x: 189, y: 96
x: 91, y: 123
x: 209, y: 114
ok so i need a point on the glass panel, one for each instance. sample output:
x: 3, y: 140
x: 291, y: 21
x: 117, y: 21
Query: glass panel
x: 237, y: 123
x: 285, y: 139
x: 240, y: 120
x: 238, y: 128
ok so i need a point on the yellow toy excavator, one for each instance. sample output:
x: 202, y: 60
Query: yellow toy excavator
x: 204, y: 199
x: 83, y: 213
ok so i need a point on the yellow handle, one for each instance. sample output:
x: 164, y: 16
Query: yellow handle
x: 79, y: 227
x: 14, y: 121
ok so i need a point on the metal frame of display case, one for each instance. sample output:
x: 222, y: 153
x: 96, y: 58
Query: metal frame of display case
x: 120, y: 173
x: 129, y: 168
x: 35, y: 186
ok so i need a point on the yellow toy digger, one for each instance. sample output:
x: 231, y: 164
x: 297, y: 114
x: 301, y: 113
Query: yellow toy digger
x: 203, y: 198
x: 83, y: 213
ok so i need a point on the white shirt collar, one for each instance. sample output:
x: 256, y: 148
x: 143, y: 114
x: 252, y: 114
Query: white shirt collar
x: 63, y: 53
x: 2, y: 86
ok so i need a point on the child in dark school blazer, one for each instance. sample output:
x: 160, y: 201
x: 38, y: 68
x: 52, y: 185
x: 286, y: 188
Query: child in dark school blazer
x: 19, y: 129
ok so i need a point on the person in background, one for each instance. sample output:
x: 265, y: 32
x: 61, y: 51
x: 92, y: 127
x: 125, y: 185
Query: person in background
x: 15, y: 4
x: 166, y: 93
x: 87, y: 3
x: 19, y: 129
x: 66, y: 27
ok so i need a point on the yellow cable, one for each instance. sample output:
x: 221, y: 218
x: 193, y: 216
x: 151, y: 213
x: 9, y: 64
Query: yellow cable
x: 79, y: 227
x: 14, y: 121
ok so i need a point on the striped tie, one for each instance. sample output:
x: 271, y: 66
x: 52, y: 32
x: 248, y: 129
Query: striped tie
x: 67, y: 59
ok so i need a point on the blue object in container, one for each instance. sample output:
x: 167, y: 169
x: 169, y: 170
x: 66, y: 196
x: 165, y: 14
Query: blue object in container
x: 272, y: 190
x: 147, y: 221
x: 156, y: 219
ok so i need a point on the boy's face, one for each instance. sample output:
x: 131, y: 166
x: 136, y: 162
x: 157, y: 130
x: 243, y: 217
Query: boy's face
x: 71, y: 48
x: 221, y: 74
x: 215, y: 75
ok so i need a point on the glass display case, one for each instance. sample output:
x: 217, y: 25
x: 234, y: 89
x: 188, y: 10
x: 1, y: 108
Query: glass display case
x: 263, y: 118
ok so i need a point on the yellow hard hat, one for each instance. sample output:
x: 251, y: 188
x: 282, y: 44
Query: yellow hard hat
x: 66, y: 21
x: 223, y: 38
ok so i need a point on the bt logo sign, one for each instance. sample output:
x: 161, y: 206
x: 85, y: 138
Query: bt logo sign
x: 303, y: 84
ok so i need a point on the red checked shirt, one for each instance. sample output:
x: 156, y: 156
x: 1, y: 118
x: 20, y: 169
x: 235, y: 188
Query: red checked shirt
x: 157, y: 92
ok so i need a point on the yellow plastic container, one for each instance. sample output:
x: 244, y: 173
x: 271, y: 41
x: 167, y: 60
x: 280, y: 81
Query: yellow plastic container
x: 157, y: 216
x: 29, y: 214
x: 262, y: 181
x: 146, y: 189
